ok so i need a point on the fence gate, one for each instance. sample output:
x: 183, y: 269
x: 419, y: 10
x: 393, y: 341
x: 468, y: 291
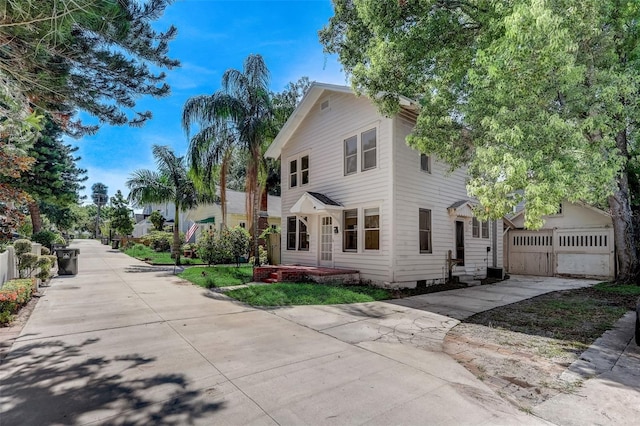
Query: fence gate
x: 531, y: 253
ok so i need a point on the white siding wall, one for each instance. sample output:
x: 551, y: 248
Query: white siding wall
x: 436, y: 191
x: 322, y: 136
x: 572, y: 216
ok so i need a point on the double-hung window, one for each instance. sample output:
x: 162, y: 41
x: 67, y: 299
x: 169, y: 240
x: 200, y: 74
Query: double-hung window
x: 367, y: 143
x: 299, y: 171
x: 424, y: 229
x: 484, y: 228
x: 369, y: 149
x: 297, y: 235
x: 350, y: 230
x: 372, y: 229
x: 479, y: 228
x: 351, y: 155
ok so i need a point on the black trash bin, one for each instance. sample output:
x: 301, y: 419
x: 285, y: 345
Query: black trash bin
x: 104, y: 240
x: 67, y: 261
x: 115, y: 243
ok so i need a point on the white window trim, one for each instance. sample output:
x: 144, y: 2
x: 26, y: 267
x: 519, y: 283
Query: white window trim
x: 364, y: 229
x: 430, y: 251
x: 298, y: 159
x: 359, y: 154
x: 360, y: 229
x: 299, y: 219
x: 362, y: 151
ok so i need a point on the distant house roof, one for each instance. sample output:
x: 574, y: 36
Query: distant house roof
x: 237, y: 204
x: 306, y: 104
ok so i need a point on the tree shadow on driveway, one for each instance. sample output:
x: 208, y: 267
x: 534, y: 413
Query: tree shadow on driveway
x: 54, y: 382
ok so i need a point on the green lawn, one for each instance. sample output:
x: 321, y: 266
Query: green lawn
x: 157, y: 258
x: 218, y: 276
x: 283, y: 294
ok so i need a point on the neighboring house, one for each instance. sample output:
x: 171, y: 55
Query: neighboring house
x: 578, y: 241
x: 209, y: 216
x: 355, y: 196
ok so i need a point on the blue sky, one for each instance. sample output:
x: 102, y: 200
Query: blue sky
x: 213, y: 35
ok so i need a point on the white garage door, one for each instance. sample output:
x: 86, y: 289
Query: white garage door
x: 573, y: 252
x: 531, y: 252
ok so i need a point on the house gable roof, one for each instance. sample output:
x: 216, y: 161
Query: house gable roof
x: 316, y: 90
x: 313, y: 203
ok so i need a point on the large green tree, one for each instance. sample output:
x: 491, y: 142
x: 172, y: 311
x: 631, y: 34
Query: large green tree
x: 169, y: 184
x: 241, y: 108
x: 120, y: 215
x: 93, y: 55
x: 538, y: 97
x: 54, y: 180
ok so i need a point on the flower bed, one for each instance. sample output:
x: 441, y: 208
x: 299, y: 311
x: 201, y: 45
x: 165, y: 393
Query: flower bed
x: 14, y: 295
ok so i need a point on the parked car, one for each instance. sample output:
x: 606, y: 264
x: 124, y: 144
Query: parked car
x: 638, y: 322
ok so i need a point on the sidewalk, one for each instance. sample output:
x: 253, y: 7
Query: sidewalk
x: 123, y: 343
x: 126, y: 343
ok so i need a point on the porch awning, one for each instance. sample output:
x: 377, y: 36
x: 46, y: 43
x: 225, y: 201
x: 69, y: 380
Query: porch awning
x: 462, y: 208
x: 315, y: 203
x: 211, y: 219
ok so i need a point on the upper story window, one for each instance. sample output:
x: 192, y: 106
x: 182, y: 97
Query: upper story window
x: 293, y: 173
x: 369, y: 150
x: 299, y: 171
x: 351, y: 155
x: 304, y: 170
x: 367, y: 143
x: 484, y: 228
x: 425, y: 163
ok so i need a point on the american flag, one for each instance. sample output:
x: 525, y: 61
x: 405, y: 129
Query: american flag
x: 190, y: 232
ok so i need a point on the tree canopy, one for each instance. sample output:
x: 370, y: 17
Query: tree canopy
x: 539, y: 98
x: 69, y: 55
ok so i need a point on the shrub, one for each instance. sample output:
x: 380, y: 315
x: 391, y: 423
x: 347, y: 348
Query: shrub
x: 225, y: 246
x: 157, y: 220
x: 44, y: 251
x: 263, y: 256
x: 13, y: 295
x: 47, y: 238
x: 158, y: 240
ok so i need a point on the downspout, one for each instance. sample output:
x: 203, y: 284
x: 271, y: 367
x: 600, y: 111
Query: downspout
x: 495, y: 244
x: 392, y: 209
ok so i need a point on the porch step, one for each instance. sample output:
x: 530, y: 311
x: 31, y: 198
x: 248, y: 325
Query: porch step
x: 273, y: 275
x: 270, y: 280
x: 469, y: 280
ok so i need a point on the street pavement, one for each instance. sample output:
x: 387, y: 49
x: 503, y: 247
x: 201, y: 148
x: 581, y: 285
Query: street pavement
x: 126, y: 343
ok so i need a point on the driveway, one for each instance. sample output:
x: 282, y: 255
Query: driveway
x: 125, y: 343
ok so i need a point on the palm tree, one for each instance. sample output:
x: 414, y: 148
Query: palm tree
x: 170, y: 184
x: 242, y: 106
x: 100, y: 198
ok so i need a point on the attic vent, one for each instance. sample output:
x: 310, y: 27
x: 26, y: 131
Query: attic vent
x: 324, y: 105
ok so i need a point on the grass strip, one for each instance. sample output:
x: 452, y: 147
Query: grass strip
x: 142, y: 252
x: 285, y: 294
x: 218, y: 276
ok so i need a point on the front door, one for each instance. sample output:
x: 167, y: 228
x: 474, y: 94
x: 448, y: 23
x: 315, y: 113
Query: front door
x: 326, y: 242
x: 460, y: 242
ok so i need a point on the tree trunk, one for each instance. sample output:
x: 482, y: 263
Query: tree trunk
x: 36, y: 219
x: 176, y: 235
x: 263, y: 218
x: 98, y: 223
x: 622, y: 216
x: 224, y: 169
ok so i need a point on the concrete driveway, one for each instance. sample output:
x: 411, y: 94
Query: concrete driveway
x: 125, y: 343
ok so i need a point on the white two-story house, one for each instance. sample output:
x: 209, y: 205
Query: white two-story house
x: 355, y: 196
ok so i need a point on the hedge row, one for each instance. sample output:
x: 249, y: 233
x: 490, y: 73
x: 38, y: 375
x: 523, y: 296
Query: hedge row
x: 13, y: 295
